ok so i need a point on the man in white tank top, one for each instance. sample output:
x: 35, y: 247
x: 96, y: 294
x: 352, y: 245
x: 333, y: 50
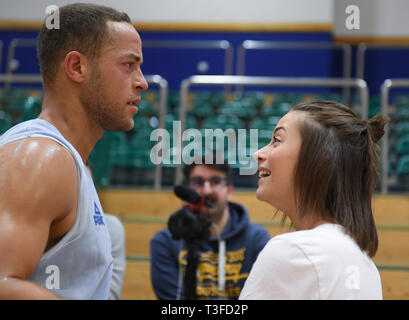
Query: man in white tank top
x: 53, y: 237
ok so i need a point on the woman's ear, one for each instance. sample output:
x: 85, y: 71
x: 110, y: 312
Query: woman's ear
x: 76, y: 66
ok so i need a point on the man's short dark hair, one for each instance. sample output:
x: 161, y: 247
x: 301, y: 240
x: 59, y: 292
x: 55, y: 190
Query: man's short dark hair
x: 222, y: 167
x: 82, y: 27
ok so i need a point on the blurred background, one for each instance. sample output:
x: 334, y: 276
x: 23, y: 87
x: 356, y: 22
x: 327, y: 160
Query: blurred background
x: 304, y: 50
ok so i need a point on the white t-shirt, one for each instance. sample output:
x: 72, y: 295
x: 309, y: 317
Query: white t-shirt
x: 321, y: 263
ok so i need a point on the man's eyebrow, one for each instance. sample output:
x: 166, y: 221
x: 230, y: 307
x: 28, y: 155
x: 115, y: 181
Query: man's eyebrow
x: 279, y: 128
x: 133, y: 56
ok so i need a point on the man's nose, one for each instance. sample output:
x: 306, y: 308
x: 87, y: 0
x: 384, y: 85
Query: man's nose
x: 140, y: 82
x: 207, y: 188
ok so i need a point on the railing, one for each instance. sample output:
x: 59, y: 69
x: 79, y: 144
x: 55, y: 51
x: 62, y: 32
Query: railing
x: 1, y: 53
x: 276, y: 45
x: 386, y: 87
x: 20, y: 78
x: 263, y: 81
x: 361, y: 51
x: 163, y: 101
x: 196, y: 44
x: 11, y: 52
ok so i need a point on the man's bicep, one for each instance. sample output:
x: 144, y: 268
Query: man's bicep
x: 22, y: 242
x: 37, y: 179
x: 21, y: 247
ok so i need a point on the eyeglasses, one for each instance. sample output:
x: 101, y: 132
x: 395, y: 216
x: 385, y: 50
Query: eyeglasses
x: 198, y: 182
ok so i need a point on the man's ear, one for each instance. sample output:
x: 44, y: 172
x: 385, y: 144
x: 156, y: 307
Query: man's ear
x: 76, y: 66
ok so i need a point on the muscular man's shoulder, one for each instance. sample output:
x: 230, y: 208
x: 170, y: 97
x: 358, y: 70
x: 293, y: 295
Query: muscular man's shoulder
x: 35, y: 170
x: 22, y: 152
x: 26, y: 158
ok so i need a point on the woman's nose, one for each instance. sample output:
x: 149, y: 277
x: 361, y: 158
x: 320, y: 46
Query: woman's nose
x: 259, y: 155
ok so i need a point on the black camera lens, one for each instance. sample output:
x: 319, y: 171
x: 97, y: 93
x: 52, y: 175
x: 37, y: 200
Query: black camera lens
x: 188, y: 225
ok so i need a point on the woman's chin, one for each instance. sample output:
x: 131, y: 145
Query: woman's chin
x: 259, y: 194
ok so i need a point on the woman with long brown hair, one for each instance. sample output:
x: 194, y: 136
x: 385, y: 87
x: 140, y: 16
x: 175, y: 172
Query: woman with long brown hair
x: 320, y: 170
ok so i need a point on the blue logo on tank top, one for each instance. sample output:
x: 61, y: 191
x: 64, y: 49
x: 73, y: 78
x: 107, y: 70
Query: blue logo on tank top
x: 98, y: 220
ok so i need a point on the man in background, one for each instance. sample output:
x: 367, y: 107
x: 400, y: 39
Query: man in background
x: 225, y: 259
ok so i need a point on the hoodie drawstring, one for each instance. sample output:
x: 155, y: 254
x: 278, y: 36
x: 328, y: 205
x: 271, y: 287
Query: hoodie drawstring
x: 222, y: 263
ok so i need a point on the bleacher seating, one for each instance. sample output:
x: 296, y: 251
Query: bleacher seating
x: 5, y: 122
x: 403, y: 165
x: 399, y: 144
x: 130, y: 151
x: 31, y: 108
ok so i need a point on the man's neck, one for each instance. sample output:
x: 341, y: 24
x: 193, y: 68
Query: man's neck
x: 219, y: 225
x: 73, y: 123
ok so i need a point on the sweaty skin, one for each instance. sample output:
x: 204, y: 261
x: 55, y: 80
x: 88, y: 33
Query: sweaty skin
x: 33, y: 215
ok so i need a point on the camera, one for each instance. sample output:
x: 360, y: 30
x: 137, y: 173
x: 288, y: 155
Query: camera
x: 188, y: 225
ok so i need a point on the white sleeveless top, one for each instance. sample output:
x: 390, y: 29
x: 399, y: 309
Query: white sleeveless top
x: 80, y: 265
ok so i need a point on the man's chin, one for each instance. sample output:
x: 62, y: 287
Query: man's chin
x: 209, y: 214
x: 129, y: 127
x: 125, y: 126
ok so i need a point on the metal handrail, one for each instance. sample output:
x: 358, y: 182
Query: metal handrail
x: 12, y: 50
x: 360, y: 55
x: 265, y: 45
x: 152, y: 79
x: 163, y: 102
x: 1, y: 53
x: 386, y: 87
x: 196, y: 44
x: 20, y: 78
x: 264, y: 81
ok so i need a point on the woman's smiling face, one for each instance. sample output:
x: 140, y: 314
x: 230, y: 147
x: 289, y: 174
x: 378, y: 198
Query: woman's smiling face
x: 277, y: 162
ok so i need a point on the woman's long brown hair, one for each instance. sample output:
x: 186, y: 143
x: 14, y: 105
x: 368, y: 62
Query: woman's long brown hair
x: 337, y: 168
